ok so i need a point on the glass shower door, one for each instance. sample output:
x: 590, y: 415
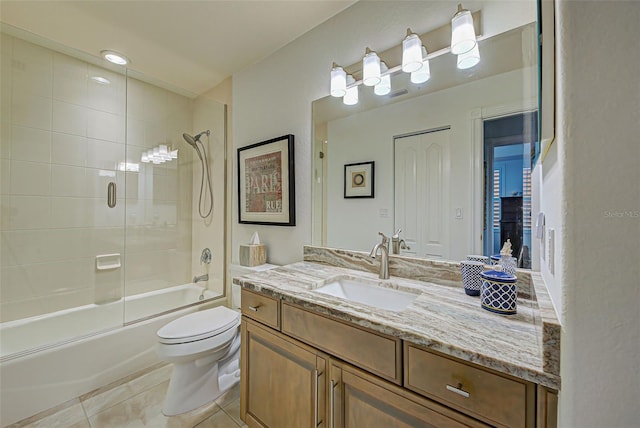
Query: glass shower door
x: 62, y: 187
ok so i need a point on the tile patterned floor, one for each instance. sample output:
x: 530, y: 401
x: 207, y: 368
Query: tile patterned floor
x: 136, y: 401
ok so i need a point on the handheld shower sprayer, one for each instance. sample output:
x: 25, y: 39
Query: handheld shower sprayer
x: 193, y: 139
x: 204, y: 162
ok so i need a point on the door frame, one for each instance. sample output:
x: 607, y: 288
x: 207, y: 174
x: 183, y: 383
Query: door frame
x: 476, y: 119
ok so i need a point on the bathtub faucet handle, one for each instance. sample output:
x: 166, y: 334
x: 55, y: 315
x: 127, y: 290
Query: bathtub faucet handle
x: 205, y: 257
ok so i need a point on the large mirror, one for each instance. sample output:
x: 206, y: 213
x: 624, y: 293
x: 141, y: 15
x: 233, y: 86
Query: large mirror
x: 451, y: 157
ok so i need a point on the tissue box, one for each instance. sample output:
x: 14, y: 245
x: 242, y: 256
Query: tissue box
x: 253, y: 255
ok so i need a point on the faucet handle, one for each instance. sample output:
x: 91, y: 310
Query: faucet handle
x: 205, y: 257
x: 396, y: 235
x: 385, y: 239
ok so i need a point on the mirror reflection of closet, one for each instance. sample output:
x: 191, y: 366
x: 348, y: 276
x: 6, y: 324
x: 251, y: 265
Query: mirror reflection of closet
x: 436, y: 197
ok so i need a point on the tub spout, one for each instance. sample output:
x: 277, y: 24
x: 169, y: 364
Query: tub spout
x: 204, y: 277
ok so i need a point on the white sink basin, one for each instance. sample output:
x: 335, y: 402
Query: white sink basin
x: 368, y: 293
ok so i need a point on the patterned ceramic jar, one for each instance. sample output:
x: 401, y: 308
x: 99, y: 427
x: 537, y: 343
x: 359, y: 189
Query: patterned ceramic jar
x: 475, y: 258
x: 471, y: 276
x: 499, y: 292
x: 495, y: 259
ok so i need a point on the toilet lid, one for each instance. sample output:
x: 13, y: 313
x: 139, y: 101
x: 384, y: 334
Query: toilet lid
x: 200, y: 325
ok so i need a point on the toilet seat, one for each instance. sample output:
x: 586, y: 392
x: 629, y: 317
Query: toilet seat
x: 199, y: 326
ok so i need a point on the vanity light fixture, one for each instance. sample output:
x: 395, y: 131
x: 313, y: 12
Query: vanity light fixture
x: 422, y: 74
x: 463, y: 35
x: 411, y: 52
x: 415, y: 60
x: 338, y: 81
x: 384, y: 87
x: 114, y: 57
x: 469, y: 59
x: 351, y: 97
x: 371, y: 68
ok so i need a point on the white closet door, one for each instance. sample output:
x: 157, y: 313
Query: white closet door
x: 422, y: 193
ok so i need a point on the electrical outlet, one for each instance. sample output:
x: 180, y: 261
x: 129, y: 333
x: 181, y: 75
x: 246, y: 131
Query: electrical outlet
x: 384, y: 213
x: 551, y: 250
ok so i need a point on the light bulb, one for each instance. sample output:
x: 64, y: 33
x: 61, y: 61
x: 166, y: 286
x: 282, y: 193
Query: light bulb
x: 463, y: 35
x: 411, y: 52
x: 351, y: 97
x: 371, y: 68
x: 423, y: 73
x: 469, y: 59
x: 338, y: 81
x: 384, y: 87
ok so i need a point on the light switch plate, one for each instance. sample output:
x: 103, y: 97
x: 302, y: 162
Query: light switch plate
x: 458, y: 213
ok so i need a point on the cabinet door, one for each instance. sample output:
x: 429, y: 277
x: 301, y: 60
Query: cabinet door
x: 357, y: 399
x: 282, y: 381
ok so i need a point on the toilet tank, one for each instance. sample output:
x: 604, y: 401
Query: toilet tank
x: 237, y: 270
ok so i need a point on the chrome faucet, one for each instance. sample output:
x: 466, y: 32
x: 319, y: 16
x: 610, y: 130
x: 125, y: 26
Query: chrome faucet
x: 383, y: 248
x: 204, y: 277
x: 398, y: 244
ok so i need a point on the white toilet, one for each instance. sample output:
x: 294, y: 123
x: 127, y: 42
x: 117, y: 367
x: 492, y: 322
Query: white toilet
x: 204, y: 348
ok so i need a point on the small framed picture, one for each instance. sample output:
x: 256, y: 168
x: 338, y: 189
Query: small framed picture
x: 359, y: 180
x: 266, y: 191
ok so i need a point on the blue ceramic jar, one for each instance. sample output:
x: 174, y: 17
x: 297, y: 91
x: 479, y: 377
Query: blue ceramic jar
x: 499, y: 292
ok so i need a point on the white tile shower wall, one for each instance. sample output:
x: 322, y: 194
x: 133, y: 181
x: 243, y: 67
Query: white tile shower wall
x: 209, y: 233
x: 158, y: 244
x: 61, y: 142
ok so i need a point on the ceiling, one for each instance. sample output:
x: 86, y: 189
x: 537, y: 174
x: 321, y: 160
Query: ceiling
x: 191, y: 45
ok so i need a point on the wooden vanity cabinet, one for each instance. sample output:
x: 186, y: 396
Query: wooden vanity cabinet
x: 500, y: 400
x: 282, y: 371
x: 358, y: 399
x: 303, y: 369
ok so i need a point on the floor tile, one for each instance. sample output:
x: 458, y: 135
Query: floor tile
x: 145, y: 410
x: 229, y: 397
x: 218, y: 420
x: 233, y: 410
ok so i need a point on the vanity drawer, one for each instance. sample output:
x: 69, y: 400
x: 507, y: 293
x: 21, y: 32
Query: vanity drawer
x: 261, y: 308
x: 372, y: 351
x: 487, y: 395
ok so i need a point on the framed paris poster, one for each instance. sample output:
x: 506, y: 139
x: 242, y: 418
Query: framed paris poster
x: 266, y: 188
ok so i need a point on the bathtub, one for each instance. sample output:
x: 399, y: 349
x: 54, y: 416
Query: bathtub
x: 36, y: 381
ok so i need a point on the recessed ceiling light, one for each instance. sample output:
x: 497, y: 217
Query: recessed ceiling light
x: 101, y: 80
x: 115, y: 57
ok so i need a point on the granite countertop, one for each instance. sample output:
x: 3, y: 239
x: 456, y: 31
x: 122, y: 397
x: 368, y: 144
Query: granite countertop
x: 442, y: 318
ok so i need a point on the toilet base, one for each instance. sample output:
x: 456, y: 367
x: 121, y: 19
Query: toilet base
x: 194, y: 384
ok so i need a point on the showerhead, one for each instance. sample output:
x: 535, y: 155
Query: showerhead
x: 189, y: 139
x: 192, y: 140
